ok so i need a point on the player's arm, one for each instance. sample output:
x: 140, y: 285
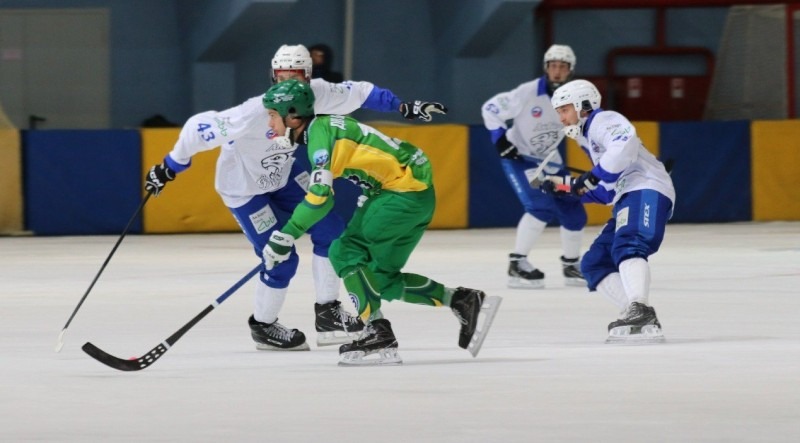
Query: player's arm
x: 347, y: 97
x: 495, y: 112
x: 316, y: 204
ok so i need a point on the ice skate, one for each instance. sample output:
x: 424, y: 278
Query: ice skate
x: 334, y: 325
x: 467, y: 304
x: 375, y: 346
x: 522, y: 275
x: 639, y: 325
x: 276, y: 337
x: 572, y: 272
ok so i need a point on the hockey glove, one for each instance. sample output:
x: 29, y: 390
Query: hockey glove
x: 506, y: 149
x: 421, y: 110
x: 557, y: 185
x: 277, y: 249
x: 157, y: 178
x: 585, y: 183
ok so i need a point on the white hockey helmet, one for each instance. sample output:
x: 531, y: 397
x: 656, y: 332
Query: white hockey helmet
x: 581, y: 94
x: 561, y: 53
x: 292, y: 57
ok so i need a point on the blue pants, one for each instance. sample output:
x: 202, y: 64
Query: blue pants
x: 567, y: 209
x: 635, y: 229
x: 267, y: 212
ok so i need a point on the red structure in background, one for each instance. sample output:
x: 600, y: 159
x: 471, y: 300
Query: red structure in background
x: 660, y: 98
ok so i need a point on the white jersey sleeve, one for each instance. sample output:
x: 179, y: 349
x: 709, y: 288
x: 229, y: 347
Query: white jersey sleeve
x: 621, y: 160
x: 339, y: 98
x: 503, y: 107
x: 210, y: 129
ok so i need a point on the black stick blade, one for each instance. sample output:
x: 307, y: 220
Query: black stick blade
x: 121, y: 364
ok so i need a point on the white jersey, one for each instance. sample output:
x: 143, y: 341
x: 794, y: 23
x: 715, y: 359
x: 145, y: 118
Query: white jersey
x: 536, y: 129
x: 611, y: 141
x: 250, y: 162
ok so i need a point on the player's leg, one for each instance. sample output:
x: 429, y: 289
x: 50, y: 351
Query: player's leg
x: 333, y: 323
x: 539, y: 210
x: 257, y: 221
x: 572, y: 217
x: 641, y: 218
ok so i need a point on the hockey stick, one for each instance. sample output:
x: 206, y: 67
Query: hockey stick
x: 60, y: 342
x: 137, y: 364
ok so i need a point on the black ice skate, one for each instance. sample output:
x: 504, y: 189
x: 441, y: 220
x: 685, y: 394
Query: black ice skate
x: 375, y: 346
x: 467, y: 304
x: 521, y: 275
x: 276, y: 337
x: 572, y: 272
x: 639, y: 325
x: 335, y: 325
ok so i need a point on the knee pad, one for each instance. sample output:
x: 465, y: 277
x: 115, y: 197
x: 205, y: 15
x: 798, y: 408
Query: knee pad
x: 596, y: 264
x: 281, y: 274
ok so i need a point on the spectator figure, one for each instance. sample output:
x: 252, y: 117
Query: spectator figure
x: 322, y: 59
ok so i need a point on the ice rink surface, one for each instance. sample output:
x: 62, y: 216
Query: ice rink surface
x: 728, y: 297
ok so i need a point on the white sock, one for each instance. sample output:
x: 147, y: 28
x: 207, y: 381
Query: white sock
x: 635, y: 273
x: 571, y: 242
x: 326, y: 282
x: 529, y: 229
x: 268, y: 302
x: 611, y: 287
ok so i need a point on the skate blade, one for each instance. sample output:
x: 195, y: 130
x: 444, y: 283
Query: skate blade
x: 266, y: 347
x: 521, y: 283
x: 384, y: 357
x: 625, y: 335
x: 488, y: 311
x: 572, y: 281
x: 329, y: 338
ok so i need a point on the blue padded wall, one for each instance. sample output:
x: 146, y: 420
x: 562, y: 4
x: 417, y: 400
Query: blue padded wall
x: 81, y: 182
x: 711, y: 173
x: 492, y: 201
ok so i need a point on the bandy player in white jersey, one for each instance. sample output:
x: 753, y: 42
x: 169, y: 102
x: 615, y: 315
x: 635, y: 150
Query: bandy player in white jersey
x: 638, y: 186
x: 535, y: 133
x: 260, y: 182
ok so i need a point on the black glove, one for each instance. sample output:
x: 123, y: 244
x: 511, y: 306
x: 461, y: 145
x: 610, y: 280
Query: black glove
x: 421, y: 110
x: 506, y: 149
x: 157, y: 178
x: 557, y: 185
x: 585, y: 183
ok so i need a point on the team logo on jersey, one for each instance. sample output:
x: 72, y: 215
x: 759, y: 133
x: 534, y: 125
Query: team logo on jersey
x: 320, y: 157
x: 271, y: 134
x: 536, y: 112
x: 356, y: 180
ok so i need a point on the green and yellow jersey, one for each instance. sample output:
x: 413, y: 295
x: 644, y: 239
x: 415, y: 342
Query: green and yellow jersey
x: 340, y: 146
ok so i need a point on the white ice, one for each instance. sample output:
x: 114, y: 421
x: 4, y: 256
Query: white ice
x: 727, y: 295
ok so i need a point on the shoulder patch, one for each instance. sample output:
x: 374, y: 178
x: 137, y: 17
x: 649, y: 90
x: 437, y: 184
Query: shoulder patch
x: 320, y: 157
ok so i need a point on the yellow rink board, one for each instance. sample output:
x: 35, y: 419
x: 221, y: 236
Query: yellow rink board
x: 11, y: 202
x: 775, y: 154
x: 190, y: 203
x: 576, y: 158
x: 447, y: 147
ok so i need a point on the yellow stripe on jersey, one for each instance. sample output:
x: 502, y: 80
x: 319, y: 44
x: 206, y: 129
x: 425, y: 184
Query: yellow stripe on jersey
x: 393, y: 176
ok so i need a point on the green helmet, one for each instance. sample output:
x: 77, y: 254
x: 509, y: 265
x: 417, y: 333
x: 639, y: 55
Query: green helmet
x: 290, y: 97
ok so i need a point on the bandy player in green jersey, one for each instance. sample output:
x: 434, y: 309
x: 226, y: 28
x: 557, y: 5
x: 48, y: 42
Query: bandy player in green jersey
x: 397, y: 181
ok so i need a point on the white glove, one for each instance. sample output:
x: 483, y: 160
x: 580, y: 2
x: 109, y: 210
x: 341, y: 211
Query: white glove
x: 278, y: 249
